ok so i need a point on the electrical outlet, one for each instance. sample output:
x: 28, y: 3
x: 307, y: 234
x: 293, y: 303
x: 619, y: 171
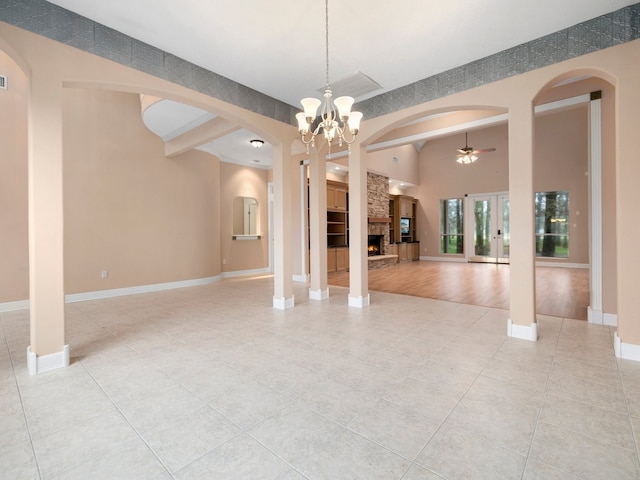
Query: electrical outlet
x: 224, y: 261
x: 104, y: 274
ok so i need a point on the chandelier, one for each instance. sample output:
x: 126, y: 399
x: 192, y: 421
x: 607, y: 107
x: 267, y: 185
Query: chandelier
x: 341, y: 125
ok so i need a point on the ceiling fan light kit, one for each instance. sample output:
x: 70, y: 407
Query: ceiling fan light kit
x: 337, y: 121
x: 467, y: 154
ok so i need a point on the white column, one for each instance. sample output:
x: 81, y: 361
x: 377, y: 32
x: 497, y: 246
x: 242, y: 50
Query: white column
x: 358, y: 265
x: 594, y: 312
x: 318, y: 289
x: 522, y: 323
x: 47, y: 349
x: 282, y: 264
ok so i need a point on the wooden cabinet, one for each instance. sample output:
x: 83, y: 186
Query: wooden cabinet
x: 406, y: 207
x: 403, y: 252
x: 336, y: 196
x: 337, y: 259
x: 337, y: 229
x: 402, y: 213
x: 402, y: 230
x: 414, y: 251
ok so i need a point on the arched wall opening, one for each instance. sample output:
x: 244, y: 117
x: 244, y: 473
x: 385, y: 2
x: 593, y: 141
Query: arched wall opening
x: 592, y: 218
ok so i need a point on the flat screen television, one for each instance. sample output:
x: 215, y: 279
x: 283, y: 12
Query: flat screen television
x: 404, y: 226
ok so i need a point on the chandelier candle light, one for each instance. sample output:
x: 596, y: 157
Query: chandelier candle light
x: 343, y: 124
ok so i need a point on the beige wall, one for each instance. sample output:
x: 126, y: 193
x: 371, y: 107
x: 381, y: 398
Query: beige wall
x: 560, y: 163
x: 238, y: 181
x: 14, y: 230
x: 129, y: 210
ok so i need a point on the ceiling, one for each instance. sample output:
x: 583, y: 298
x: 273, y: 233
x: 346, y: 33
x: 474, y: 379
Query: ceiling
x: 278, y: 47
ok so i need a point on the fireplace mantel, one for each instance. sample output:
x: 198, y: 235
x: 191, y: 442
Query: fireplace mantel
x: 379, y: 220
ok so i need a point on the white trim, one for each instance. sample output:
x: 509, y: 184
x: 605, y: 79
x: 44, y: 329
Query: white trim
x: 445, y: 259
x: 118, y: 292
x: 627, y: 351
x: 304, y: 220
x: 522, y: 331
x: 44, y: 363
x: 595, y: 200
x: 11, y: 306
x: 304, y: 278
x: 482, y: 122
x: 271, y: 228
x: 359, y: 302
x: 283, y: 303
x: 242, y: 273
x: 564, y: 103
x: 246, y: 237
x: 440, y: 132
x: 595, y: 316
x: 610, y: 319
x: 599, y: 317
x: 318, y: 294
x: 561, y: 264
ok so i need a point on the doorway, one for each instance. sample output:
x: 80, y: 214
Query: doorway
x: 488, y: 222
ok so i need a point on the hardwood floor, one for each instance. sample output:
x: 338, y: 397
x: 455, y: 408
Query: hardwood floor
x: 560, y: 292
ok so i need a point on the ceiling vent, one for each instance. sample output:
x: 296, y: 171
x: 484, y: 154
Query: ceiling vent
x: 3, y: 82
x: 355, y: 85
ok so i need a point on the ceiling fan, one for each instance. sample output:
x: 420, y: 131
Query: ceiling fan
x: 468, y: 155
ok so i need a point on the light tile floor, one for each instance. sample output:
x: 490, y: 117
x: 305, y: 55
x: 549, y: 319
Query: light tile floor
x: 211, y: 382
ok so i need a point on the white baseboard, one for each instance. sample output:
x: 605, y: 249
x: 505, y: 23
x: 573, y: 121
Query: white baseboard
x: 304, y: 278
x: 359, y: 302
x: 44, y: 363
x: 283, y: 303
x: 561, y: 264
x: 595, y: 316
x: 522, y: 332
x: 445, y: 259
x: 242, y: 273
x: 599, y: 317
x: 318, y: 294
x: 628, y: 351
x: 119, y: 292
x: 12, y: 306
x: 610, y: 319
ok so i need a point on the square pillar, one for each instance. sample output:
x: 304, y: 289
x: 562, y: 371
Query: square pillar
x: 47, y: 349
x: 318, y: 289
x: 282, y: 264
x: 358, y: 264
x: 522, y: 252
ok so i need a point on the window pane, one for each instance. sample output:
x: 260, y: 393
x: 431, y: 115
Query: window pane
x: 451, y: 225
x: 552, y: 224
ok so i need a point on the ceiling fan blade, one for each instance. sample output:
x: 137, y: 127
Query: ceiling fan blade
x: 484, y: 150
x: 461, y: 151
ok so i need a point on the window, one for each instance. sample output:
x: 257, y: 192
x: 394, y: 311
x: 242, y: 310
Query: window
x: 451, y: 222
x: 552, y: 224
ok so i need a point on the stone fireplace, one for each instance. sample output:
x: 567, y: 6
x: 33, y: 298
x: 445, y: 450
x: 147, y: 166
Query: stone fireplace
x: 378, y: 209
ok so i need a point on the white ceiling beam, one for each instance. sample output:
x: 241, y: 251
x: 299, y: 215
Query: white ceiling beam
x: 205, y: 133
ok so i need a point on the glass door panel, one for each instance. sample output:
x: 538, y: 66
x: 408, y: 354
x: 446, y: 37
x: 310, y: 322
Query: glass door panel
x: 489, y: 221
x: 482, y: 227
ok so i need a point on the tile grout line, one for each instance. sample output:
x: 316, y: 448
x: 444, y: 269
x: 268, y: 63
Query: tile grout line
x: 126, y: 419
x: 544, y: 397
x: 635, y: 434
x: 24, y: 413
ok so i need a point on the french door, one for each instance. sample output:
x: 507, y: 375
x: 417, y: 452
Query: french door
x: 488, y: 224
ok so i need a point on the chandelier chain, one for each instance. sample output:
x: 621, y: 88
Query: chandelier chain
x: 326, y: 36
